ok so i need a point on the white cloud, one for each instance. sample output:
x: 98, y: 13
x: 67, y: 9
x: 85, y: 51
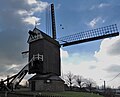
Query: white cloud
x: 31, y: 20
x: 103, y: 5
x: 25, y: 13
x: 58, y: 6
x: 22, y: 12
x: 103, y: 54
x: 31, y: 1
x: 28, y: 15
x: 96, y: 68
x: 38, y: 5
x: 64, y: 54
x: 83, y: 68
x: 95, y: 21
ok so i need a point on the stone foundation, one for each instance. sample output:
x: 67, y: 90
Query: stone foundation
x: 48, y: 82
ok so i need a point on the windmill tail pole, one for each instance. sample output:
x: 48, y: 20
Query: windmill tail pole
x: 53, y: 21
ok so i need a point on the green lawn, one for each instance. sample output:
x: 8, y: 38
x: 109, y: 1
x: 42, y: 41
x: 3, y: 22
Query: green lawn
x: 73, y: 94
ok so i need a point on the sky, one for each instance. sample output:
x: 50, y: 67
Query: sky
x: 96, y: 60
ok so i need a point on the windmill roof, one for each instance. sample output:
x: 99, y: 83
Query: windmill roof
x: 46, y: 77
x: 40, y: 35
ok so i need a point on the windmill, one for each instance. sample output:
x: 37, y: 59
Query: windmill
x: 44, y: 55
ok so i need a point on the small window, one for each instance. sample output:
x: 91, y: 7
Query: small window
x: 47, y: 81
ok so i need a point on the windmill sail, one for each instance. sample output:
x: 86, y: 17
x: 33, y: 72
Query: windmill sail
x: 90, y: 35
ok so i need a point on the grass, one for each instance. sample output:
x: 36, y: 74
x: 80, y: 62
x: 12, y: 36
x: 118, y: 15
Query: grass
x: 64, y: 94
x: 73, y: 94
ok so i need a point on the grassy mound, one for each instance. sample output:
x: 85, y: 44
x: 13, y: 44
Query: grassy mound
x: 73, y: 94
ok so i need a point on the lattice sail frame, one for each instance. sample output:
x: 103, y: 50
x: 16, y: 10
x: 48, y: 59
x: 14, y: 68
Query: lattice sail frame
x: 90, y: 35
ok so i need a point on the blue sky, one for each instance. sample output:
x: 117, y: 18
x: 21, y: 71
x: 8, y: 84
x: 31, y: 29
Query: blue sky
x: 81, y: 15
x: 97, y: 60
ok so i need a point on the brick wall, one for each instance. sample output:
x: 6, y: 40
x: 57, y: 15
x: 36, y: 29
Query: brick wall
x: 41, y: 85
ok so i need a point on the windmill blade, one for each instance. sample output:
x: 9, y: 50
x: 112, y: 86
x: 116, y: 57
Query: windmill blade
x: 90, y: 35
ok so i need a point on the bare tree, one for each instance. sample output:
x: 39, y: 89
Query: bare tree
x: 119, y: 87
x: 69, y: 79
x: 90, y: 83
x: 79, y: 81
